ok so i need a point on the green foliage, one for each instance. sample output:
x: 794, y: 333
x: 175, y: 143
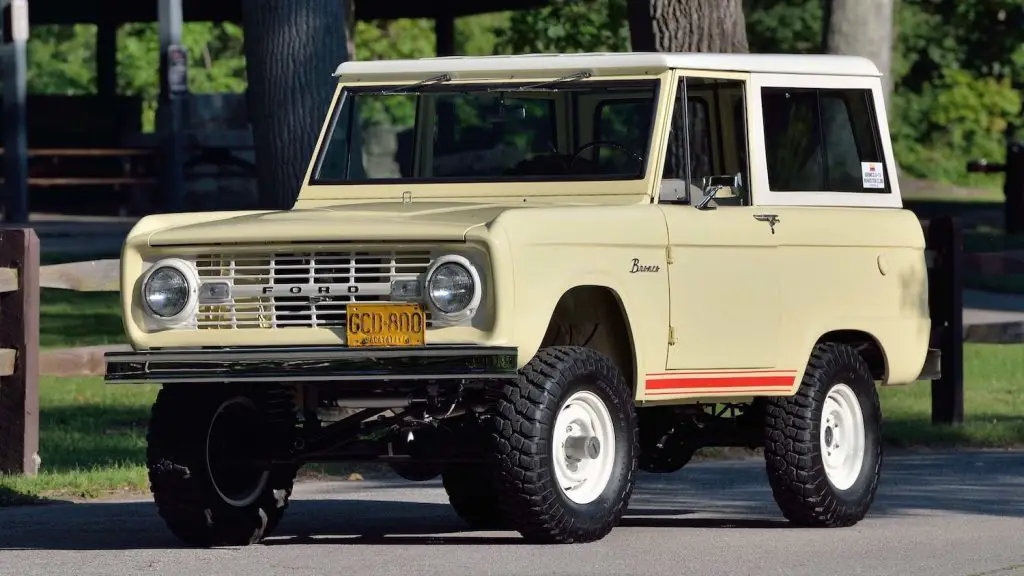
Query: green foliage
x: 958, y: 65
x: 566, y: 26
x: 61, y: 59
x: 787, y: 26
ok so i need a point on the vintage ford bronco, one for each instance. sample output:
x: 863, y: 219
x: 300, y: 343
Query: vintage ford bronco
x: 534, y: 276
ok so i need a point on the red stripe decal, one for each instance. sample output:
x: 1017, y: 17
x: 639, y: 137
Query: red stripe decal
x: 727, y: 382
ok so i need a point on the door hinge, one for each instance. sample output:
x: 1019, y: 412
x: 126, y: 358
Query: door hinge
x: 671, y: 336
x: 668, y: 254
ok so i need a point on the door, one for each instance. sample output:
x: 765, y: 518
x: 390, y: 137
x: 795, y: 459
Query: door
x: 724, y: 274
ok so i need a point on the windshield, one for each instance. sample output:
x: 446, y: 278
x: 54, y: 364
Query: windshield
x: 593, y: 130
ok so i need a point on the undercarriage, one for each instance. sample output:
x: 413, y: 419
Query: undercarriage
x: 231, y: 428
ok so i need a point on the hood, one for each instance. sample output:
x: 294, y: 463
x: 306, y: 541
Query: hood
x: 375, y: 221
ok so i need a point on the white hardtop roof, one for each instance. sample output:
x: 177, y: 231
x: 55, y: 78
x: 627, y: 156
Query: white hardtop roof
x: 607, y: 63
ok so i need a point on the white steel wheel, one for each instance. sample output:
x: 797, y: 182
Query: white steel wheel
x: 842, y: 436
x: 583, y: 447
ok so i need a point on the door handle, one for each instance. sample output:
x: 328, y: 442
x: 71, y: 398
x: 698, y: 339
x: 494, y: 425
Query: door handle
x: 771, y: 219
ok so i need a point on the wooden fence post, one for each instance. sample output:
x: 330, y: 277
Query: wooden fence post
x: 19, y: 331
x: 945, y: 300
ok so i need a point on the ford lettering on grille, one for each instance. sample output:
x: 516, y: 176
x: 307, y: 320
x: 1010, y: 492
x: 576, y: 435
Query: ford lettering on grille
x: 250, y: 289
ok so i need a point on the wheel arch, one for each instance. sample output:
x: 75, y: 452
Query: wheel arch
x: 601, y: 314
x: 866, y: 344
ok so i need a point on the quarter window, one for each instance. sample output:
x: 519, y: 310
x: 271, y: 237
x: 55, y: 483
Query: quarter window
x: 822, y: 140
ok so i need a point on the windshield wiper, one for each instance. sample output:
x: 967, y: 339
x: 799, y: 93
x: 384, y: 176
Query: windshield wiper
x: 407, y: 88
x: 581, y: 75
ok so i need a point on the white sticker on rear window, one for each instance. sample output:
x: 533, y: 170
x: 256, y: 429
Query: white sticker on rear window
x: 872, y: 175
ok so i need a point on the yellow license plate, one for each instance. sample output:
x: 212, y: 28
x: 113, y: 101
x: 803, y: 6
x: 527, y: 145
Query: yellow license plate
x: 385, y: 325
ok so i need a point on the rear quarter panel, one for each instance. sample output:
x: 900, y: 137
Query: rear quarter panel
x: 854, y: 269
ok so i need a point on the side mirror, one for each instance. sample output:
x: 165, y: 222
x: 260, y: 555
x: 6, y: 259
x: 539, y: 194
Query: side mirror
x: 711, y: 186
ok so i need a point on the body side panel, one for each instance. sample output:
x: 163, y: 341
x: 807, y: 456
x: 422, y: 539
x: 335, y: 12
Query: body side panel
x: 854, y: 269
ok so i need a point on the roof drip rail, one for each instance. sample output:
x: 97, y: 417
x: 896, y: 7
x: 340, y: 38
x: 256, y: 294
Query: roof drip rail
x: 409, y: 87
x: 581, y: 75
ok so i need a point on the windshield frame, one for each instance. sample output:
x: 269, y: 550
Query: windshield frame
x: 653, y: 83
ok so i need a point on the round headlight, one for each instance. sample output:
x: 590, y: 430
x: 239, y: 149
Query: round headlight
x: 451, y: 288
x: 166, y: 291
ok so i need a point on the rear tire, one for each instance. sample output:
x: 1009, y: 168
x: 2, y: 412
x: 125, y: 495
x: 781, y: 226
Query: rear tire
x: 823, y: 448
x: 557, y: 484
x: 206, y: 497
x: 472, y: 493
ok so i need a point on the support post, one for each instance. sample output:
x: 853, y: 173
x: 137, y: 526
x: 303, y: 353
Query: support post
x: 171, y: 105
x: 945, y: 300
x: 15, y: 66
x: 444, y: 34
x: 106, y: 58
x: 19, y: 331
x: 1013, y: 186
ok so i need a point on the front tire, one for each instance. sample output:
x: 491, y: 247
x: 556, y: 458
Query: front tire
x: 198, y: 443
x: 823, y: 448
x: 567, y: 447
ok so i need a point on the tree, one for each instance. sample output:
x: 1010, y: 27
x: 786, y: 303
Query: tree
x: 292, y: 48
x: 687, y: 26
x: 862, y: 28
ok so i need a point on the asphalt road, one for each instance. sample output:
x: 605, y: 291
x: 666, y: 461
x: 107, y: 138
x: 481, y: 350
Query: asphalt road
x: 936, y: 514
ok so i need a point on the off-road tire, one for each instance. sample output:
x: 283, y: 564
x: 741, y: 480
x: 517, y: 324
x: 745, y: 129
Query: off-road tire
x: 531, y: 500
x: 793, y: 452
x: 185, y: 496
x: 472, y: 493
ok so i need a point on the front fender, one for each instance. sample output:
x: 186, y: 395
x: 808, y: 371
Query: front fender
x: 550, y: 258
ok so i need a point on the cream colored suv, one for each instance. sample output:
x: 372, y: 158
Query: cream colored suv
x: 533, y: 276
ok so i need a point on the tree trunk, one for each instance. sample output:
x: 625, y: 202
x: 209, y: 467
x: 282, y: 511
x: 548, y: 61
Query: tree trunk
x: 862, y: 28
x: 687, y: 26
x: 292, y: 48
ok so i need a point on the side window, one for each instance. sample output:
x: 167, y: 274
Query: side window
x: 822, y: 140
x: 707, y: 144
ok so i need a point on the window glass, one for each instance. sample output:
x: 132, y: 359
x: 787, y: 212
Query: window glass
x: 487, y: 132
x: 822, y: 140
x: 715, y: 133
x: 625, y: 123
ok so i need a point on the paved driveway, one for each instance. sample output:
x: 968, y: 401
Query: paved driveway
x: 936, y: 514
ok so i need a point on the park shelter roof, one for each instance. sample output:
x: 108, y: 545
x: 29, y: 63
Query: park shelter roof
x: 120, y: 11
x: 603, y: 63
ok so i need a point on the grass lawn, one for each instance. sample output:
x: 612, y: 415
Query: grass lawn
x: 68, y: 318
x: 92, y: 441
x: 993, y: 404
x: 93, y: 435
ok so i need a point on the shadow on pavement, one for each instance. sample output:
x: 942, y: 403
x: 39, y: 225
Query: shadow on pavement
x: 714, y: 495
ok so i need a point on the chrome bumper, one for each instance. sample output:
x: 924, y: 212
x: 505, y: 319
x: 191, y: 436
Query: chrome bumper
x: 312, y: 364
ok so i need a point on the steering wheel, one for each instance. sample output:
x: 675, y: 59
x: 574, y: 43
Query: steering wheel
x: 637, y: 157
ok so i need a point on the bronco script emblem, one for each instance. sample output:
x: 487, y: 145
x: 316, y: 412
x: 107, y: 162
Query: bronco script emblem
x: 638, y: 267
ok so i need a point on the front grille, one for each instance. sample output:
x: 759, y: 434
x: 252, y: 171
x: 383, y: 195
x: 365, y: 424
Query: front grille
x: 263, y: 286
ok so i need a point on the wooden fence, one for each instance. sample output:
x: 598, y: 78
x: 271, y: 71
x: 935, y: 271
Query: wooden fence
x: 21, y: 278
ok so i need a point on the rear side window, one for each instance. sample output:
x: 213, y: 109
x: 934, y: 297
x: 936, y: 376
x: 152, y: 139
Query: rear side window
x: 822, y: 140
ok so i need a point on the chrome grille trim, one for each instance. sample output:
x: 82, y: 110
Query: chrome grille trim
x: 301, y: 289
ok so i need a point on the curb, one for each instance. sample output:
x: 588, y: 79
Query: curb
x: 997, y: 333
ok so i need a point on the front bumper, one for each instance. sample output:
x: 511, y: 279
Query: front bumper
x: 275, y: 364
